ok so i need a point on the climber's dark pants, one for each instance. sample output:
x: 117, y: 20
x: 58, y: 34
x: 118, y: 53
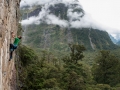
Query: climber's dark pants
x: 12, y: 48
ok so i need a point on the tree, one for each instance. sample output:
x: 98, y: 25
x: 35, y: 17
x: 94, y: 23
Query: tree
x: 76, y: 53
x: 37, y: 73
x: 27, y: 55
x: 106, y: 69
x: 74, y: 74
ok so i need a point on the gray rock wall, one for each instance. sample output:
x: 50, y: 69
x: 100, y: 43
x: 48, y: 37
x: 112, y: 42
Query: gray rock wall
x: 9, y: 13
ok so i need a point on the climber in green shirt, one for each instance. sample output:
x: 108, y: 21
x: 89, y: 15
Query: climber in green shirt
x: 14, y: 45
x: 16, y: 41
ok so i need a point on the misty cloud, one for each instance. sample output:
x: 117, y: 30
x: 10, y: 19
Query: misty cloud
x: 85, y: 21
x: 40, y: 2
x: 76, y: 19
x: 34, y: 2
x: 38, y: 19
x: 29, y: 21
x: 114, y: 32
x: 106, y: 12
x: 74, y: 15
x: 52, y: 19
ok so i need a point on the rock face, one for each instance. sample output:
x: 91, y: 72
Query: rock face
x: 9, y: 13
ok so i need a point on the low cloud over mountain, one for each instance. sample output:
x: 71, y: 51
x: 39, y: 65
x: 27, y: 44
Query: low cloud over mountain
x: 76, y: 16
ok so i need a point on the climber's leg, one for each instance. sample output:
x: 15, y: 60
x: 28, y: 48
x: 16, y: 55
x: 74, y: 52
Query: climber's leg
x: 11, y: 47
x: 11, y: 52
x: 14, y: 47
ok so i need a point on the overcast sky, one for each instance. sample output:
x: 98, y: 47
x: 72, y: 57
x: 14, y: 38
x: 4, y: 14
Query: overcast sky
x: 106, y: 13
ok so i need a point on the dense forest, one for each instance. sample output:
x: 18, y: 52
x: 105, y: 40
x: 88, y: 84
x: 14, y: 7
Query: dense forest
x: 44, y: 71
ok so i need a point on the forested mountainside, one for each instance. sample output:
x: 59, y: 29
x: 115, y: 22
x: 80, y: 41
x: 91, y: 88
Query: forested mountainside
x: 45, y: 35
x: 55, y: 37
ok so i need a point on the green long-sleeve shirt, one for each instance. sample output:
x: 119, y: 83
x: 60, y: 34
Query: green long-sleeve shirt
x: 16, y: 41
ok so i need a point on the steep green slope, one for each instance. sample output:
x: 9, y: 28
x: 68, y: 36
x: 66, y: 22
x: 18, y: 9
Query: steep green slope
x: 55, y: 38
x: 102, y: 39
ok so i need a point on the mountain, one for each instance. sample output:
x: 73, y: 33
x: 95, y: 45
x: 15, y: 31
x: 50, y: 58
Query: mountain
x: 118, y: 43
x: 26, y: 12
x: 54, y: 26
x: 113, y: 39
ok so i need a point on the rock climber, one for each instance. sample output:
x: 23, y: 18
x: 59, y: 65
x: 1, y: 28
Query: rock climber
x: 14, y: 45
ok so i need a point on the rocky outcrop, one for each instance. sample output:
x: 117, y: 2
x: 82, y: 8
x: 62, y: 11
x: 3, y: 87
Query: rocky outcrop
x: 9, y: 13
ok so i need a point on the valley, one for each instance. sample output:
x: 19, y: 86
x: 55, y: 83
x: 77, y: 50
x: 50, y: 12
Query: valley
x: 62, y: 51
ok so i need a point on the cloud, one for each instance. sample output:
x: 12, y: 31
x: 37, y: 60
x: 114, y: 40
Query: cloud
x: 32, y: 2
x: 52, y: 19
x: 31, y: 20
x: 75, y: 18
x: 85, y: 22
x: 74, y: 15
x: 38, y: 19
x: 40, y: 2
x: 105, y: 12
x: 49, y: 19
x: 44, y: 16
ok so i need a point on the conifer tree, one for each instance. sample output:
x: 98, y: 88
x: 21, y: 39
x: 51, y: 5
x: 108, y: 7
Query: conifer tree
x: 107, y: 69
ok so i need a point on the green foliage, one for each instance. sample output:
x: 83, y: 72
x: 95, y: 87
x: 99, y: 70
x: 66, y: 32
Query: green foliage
x: 73, y: 81
x: 50, y: 83
x: 81, y: 37
x: 102, y: 40
x: 56, y: 38
x: 19, y: 32
x: 99, y: 87
x: 46, y: 73
x: 74, y: 74
x: 76, y: 54
x: 103, y: 87
x: 106, y: 69
x: 37, y: 72
x: 27, y: 55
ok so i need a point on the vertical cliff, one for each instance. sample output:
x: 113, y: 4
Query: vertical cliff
x: 9, y: 13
